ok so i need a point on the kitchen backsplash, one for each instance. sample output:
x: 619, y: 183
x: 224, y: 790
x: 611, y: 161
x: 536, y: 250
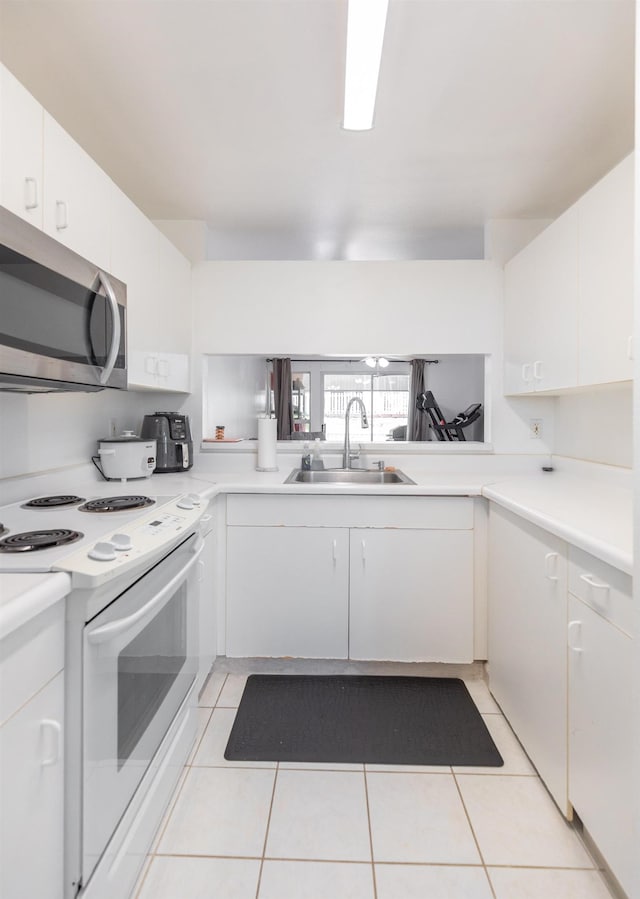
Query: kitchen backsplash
x: 596, y: 425
x: 41, y: 432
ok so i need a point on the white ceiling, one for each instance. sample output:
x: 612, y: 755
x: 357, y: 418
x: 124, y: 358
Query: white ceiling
x: 230, y: 111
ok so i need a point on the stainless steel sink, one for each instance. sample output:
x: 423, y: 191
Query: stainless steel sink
x: 347, y: 476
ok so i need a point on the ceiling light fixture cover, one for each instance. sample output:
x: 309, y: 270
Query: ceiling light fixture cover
x: 366, y: 22
x: 376, y: 361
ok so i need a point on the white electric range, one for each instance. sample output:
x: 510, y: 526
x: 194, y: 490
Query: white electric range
x: 131, y: 661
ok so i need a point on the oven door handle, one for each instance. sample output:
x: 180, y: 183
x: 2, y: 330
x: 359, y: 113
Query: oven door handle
x: 120, y: 625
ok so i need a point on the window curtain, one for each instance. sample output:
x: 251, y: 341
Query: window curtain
x: 418, y: 428
x: 282, y: 397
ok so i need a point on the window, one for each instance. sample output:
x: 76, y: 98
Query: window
x: 385, y: 396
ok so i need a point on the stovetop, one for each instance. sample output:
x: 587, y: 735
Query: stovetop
x: 96, y: 544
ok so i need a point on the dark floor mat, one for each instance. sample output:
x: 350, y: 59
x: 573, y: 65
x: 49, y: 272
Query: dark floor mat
x: 357, y: 718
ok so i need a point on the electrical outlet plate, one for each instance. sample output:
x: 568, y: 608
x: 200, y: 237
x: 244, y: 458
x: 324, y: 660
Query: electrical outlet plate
x: 535, y: 428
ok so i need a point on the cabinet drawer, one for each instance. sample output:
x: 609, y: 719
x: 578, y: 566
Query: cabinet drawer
x: 605, y: 589
x: 31, y: 656
x: 441, y: 512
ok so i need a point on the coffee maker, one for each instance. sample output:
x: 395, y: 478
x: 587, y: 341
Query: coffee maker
x: 173, y: 438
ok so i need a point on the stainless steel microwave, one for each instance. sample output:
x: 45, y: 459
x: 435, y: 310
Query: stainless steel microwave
x: 62, y: 319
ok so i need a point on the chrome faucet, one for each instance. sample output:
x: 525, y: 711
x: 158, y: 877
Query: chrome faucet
x: 346, y: 455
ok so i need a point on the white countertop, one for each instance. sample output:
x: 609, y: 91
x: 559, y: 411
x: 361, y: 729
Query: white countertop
x: 23, y: 596
x: 594, y: 514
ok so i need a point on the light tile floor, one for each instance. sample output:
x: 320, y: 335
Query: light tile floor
x: 283, y: 831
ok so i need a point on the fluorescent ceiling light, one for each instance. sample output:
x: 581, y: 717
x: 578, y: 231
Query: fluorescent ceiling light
x: 365, y: 35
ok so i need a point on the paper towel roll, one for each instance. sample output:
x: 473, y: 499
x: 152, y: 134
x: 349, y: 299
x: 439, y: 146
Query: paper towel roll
x: 267, y: 436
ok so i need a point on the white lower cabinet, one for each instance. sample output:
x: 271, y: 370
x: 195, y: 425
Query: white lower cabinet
x: 287, y: 592
x: 350, y: 577
x: 527, y: 641
x: 31, y: 797
x: 601, y: 733
x: 411, y: 595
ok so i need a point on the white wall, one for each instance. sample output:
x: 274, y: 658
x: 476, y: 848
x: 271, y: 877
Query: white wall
x: 596, y: 425
x: 234, y: 390
x: 359, y: 308
x: 39, y: 432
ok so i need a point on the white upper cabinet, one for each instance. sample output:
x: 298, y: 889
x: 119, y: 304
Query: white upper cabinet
x: 77, y: 197
x: 20, y: 150
x: 569, y: 295
x: 49, y: 180
x: 158, y: 279
x: 541, y: 342
x: 605, y: 277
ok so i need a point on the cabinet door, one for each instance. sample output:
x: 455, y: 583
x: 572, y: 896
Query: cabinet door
x: 527, y: 641
x: 605, y: 270
x: 78, y: 197
x: 411, y: 595
x: 207, y: 624
x: 31, y: 797
x: 601, y: 734
x: 541, y: 310
x: 21, y: 148
x: 158, y: 296
x: 287, y: 592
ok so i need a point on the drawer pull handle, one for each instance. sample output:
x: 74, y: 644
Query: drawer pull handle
x: 592, y: 582
x: 526, y: 372
x: 551, y: 566
x: 54, y: 728
x: 334, y: 549
x: 571, y: 629
x: 364, y: 552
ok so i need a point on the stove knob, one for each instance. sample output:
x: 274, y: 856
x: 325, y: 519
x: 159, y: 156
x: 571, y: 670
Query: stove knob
x: 103, y: 552
x: 122, y: 542
x: 185, y: 503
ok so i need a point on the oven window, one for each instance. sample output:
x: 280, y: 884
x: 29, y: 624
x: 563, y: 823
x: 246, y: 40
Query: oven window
x: 147, y: 668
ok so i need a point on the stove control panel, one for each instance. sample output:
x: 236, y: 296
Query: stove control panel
x: 143, y: 543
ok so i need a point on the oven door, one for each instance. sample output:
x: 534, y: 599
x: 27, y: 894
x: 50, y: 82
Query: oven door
x: 140, y: 662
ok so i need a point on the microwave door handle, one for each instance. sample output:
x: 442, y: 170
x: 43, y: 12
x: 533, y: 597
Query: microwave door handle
x: 115, y: 336
x: 120, y: 625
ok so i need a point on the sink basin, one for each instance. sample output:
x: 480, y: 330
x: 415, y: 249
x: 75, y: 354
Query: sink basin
x: 347, y: 476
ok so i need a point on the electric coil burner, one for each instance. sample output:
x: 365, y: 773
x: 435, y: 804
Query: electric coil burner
x: 116, y: 504
x: 31, y: 541
x: 3, y: 530
x: 52, y: 502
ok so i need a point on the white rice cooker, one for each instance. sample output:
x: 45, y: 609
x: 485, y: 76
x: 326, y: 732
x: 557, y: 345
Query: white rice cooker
x: 126, y: 457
